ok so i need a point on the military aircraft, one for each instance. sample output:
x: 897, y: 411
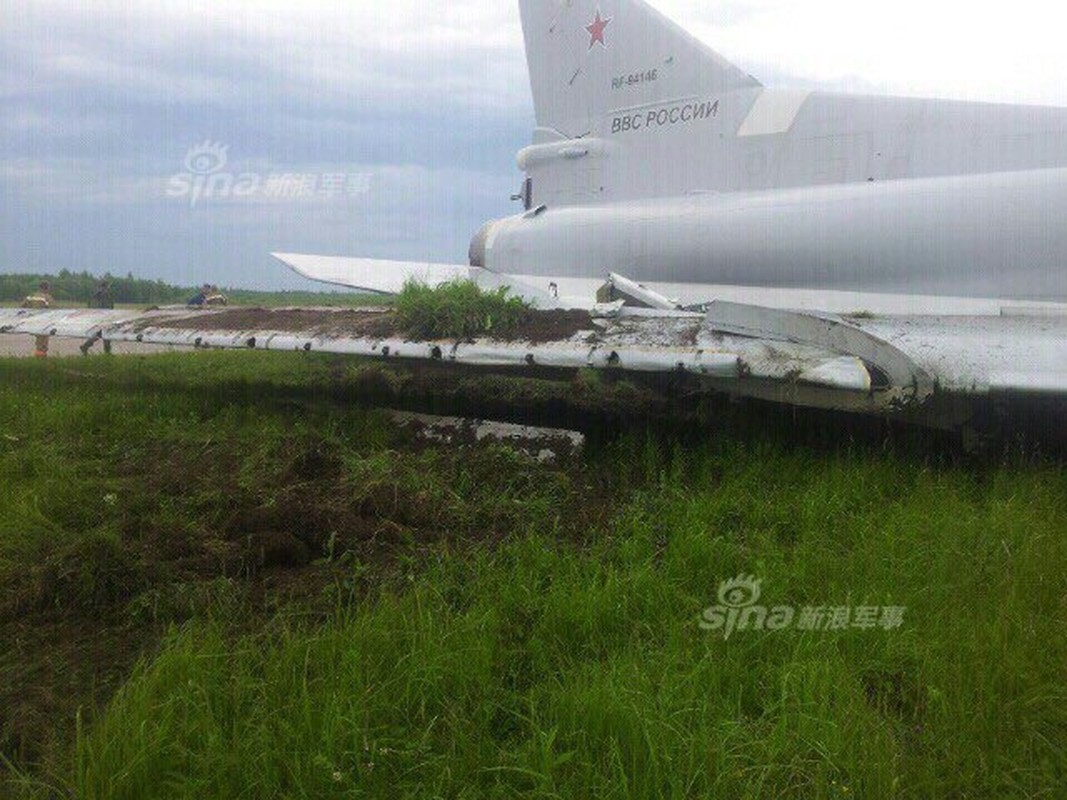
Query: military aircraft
x: 656, y: 159
x: 869, y: 254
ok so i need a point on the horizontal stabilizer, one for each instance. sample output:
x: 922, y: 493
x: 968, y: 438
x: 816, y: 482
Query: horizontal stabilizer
x: 369, y: 274
x: 389, y: 277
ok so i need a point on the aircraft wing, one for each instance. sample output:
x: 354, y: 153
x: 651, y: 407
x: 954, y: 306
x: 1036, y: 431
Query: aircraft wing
x: 877, y: 365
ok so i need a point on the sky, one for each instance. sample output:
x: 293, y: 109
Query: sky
x: 377, y: 129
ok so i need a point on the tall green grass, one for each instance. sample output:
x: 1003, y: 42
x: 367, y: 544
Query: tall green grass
x: 458, y: 310
x: 554, y: 672
x: 555, y: 660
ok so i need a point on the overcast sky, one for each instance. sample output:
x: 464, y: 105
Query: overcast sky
x: 383, y: 129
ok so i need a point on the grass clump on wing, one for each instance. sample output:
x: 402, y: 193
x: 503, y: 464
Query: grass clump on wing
x: 459, y: 310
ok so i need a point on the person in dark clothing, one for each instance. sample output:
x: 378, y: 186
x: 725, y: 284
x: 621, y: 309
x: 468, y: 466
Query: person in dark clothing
x: 102, y: 298
x: 200, y: 298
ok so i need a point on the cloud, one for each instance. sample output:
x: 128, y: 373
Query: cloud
x: 972, y: 51
x: 114, y: 219
x: 338, y: 52
x: 102, y: 100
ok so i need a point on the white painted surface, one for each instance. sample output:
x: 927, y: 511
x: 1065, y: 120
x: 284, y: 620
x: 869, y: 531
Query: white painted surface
x: 369, y: 274
x: 774, y: 112
x: 971, y: 355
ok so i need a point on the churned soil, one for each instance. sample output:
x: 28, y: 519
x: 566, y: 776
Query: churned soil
x: 309, y: 321
x: 538, y: 326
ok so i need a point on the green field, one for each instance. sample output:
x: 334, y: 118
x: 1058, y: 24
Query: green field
x: 243, y: 297
x: 223, y: 576
x: 73, y: 290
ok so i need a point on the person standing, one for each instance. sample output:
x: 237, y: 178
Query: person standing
x: 42, y: 299
x: 102, y: 298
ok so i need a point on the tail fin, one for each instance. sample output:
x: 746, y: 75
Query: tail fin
x: 589, y: 57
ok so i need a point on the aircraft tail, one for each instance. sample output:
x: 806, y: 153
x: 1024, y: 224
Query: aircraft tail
x: 589, y: 57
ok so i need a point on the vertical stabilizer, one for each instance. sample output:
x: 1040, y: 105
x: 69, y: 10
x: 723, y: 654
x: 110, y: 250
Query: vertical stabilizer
x: 589, y: 57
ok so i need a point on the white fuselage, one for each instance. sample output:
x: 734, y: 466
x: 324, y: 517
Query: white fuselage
x: 790, y: 191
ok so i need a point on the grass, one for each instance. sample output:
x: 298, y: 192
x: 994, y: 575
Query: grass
x: 222, y: 582
x: 74, y: 289
x: 247, y: 297
x: 458, y: 310
x: 242, y: 297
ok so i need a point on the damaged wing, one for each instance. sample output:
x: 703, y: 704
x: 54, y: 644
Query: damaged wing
x: 876, y: 365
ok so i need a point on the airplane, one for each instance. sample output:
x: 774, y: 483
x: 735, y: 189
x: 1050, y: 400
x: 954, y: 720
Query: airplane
x: 872, y: 254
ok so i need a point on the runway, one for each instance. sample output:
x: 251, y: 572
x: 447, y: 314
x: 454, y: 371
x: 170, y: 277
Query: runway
x: 21, y: 346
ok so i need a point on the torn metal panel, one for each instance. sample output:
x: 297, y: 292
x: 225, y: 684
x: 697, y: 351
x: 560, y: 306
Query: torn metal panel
x: 544, y: 444
x: 847, y: 372
x: 636, y: 294
x: 833, y: 333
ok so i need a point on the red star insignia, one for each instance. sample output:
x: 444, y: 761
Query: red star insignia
x: 596, y: 30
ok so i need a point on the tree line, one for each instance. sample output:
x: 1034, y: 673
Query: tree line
x: 78, y: 287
